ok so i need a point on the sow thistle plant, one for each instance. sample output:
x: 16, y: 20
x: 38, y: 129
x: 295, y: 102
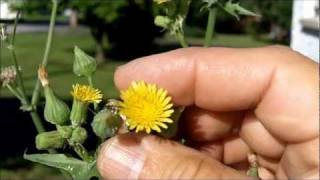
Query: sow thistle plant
x: 142, y: 107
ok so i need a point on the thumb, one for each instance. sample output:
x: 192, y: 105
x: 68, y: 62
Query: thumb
x: 133, y: 156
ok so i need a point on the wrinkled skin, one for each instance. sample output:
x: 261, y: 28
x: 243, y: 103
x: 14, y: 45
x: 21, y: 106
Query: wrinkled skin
x: 262, y: 100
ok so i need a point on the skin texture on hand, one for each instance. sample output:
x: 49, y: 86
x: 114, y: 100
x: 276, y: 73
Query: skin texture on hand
x: 261, y: 100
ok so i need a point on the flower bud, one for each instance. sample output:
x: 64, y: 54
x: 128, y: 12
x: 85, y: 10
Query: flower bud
x: 55, y: 110
x: 83, y: 65
x: 65, y: 131
x: 78, y: 113
x: 49, y: 140
x: 79, y: 135
x: 105, y: 124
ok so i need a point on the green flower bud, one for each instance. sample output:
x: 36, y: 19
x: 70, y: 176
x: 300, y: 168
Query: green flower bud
x: 55, y: 110
x: 84, y: 65
x: 105, y: 124
x: 49, y: 140
x: 65, y: 131
x: 78, y: 113
x: 79, y: 135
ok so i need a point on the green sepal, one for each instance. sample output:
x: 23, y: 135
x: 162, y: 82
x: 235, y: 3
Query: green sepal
x: 55, y: 111
x: 83, y: 65
x: 49, y: 140
x: 172, y: 129
x: 79, y: 135
x: 79, y: 170
x: 105, y: 124
x: 79, y: 113
x: 235, y: 10
x: 65, y: 131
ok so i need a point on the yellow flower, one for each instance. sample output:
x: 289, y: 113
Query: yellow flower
x: 146, y: 107
x: 86, y: 94
x: 160, y: 1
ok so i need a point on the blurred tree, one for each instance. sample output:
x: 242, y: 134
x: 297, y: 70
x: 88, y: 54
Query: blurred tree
x: 126, y: 24
x: 275, y: 18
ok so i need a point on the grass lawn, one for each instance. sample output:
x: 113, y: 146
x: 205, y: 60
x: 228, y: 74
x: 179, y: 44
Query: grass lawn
x: 30, y: 48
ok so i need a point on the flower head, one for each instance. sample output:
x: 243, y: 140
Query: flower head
x: 8, y: 75
x: 86, y: 94
x: 146, y: 107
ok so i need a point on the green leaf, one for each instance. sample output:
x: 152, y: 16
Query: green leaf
x: 78, y: 169
x: 209, y: 3
x: 235, y: 10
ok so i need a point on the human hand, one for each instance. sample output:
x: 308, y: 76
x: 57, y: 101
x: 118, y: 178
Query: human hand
x: 261, y: 100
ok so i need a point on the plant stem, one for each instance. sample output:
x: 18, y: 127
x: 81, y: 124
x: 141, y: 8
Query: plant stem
x: 36, y: 91
x: 15, y: 92
x: 90, y: 81
x: 182, y: 40
x: 19, y: 75
x: 23, y: 97
x: 210, y: 26
x: 14, y: 57
x: 37, y: 121
x: 82, y: 152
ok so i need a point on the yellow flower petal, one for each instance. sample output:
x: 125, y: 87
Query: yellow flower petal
x: 146, y: 107
x: 86, y: 94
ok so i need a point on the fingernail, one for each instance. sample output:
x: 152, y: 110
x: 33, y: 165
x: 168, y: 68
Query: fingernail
x: 121, y: 160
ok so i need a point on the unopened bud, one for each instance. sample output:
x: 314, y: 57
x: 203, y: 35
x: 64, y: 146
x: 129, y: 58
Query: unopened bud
x: 65, y: 131
x: 105, y: 124
x: 55, y: 110
x: 83, y: 65
x: 49, y: 140
x: 79, y: 135
x: 79, y: 113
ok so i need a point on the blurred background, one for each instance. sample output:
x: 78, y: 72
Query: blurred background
x: 115, y: 32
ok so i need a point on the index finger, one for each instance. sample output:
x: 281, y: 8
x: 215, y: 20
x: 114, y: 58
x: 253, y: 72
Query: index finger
x: 279, y: 84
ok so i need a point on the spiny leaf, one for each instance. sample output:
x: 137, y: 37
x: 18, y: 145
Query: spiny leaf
x: 78, y: 169
x: 235, y: 10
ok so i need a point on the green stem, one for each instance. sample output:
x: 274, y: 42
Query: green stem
x: 15, y: 92
x: 90, y: 81
x: 14, y: 57
x: 19, y: 75
x: 210, y: 26
x: 36, y: 91
x: 37, y: 121
x: 182, y: 40
x: 23, y: 97
x: 82, y: 152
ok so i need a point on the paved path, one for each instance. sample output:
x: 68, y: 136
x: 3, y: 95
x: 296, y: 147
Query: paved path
x: 24, y: 28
